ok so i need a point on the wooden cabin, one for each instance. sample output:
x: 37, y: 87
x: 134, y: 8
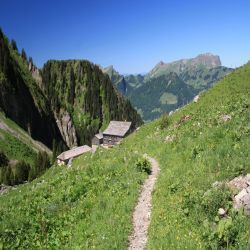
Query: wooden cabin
x: 67, y: 156
x: 97, y: 139
x: 115, y: 132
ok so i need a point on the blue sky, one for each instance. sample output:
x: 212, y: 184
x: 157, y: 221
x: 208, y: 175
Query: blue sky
x: 131, y: 35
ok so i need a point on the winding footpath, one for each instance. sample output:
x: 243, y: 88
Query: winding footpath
x: 141, y: 215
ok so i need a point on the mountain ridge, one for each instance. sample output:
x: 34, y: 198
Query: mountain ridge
x: 206, y: 59
x: 198, y: 73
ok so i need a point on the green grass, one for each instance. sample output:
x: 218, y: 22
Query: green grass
x: 16, y: 149
x: 89, y: 206
x: 86, y: 206
x: 18, y: 146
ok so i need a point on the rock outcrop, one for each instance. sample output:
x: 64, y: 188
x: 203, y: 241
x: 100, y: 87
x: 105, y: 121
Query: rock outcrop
x: 66, y: 127
x: 242, y: 199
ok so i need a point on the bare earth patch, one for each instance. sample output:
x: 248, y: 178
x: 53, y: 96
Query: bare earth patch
x: 141, y: 215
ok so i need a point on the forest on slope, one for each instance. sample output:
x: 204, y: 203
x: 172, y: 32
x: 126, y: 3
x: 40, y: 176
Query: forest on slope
x: 79, y: 90
x: 60, y: 106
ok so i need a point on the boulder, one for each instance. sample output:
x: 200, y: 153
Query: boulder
x: 170, y: 113
x: 222, y: 212
x: 242, y: 199
x: 239, y: 182
x: 238, y: 198
x: 169, y: 138
x: 196, y: 98
x: 225, y: 117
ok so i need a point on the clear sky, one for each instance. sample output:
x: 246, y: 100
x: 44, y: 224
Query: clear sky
x: 131, y: 35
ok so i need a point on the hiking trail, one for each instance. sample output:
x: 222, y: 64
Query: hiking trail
x: 142, y: 211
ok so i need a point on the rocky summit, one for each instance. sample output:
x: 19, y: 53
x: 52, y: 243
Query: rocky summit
x: 206, y: 60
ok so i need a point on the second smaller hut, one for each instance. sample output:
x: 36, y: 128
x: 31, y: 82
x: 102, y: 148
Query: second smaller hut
x: 67, y: 156
x: 97, y: 139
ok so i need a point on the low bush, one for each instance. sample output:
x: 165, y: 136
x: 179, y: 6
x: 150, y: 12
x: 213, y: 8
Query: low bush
x: 3, y: 159
x: 164, y: 121
x: 143, y: 165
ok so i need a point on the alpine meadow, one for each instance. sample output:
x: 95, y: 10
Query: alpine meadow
x: 151, y: 152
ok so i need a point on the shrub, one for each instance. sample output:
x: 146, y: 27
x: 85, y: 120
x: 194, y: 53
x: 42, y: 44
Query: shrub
x: 164, y: 121
x: 42, y: 163
x: 143, y: 165
x: 4, y: 161
x: 21, y: 172
x: 7, y: 175
x: 215, y: 198
x: 225, y: 233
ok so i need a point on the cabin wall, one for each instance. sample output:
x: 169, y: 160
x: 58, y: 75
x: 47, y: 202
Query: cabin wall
x: 96, y: 141
x: 111, y: 139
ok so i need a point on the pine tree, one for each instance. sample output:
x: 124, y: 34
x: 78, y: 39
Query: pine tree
x: 4, y: 161
x: 7, y: 175
x: 23, y: 55
x: 71, y: 95
x: 21, y: 172
x: 42, y: 162
x: 31, y: 61
x: 14, y: 45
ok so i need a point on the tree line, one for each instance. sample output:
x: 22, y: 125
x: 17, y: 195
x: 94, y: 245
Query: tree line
x: 17, y: 172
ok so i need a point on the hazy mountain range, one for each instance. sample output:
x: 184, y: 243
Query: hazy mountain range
x: 169, y: 85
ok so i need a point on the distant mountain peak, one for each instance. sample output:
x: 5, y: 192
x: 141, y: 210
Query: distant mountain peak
x: 110, y: 67
x: 161, y: 63
x: 207, y: 60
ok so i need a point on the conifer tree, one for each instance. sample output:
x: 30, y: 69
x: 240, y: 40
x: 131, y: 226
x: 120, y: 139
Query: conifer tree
x: 23, y: 55
x: 3, y: 160
x: 14, y: 45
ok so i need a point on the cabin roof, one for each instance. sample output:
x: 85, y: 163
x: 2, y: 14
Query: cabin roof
x: 74, y: 152
x: 117, y: 128
x: 99, y: 136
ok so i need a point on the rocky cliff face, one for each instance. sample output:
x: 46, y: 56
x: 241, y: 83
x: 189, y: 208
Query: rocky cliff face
x: 67, y: 129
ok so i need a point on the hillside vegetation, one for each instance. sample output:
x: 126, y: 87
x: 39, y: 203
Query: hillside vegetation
x: 89, y: 206
x: 61, y: 106
x: 21, y: 157
x: 20, y: 97
x: 80, y: 89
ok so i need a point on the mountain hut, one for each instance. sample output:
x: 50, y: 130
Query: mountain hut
x: 67, y: 156
x: 115, y: 132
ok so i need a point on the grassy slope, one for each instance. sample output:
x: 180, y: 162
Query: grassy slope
x: 17, y: 144
x: 90, y: 205
x: 86, y: 206
x: 22, y: 135
x: 205, y: 150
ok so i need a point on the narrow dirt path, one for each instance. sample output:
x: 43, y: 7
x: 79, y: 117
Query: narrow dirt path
x: 141, y: 215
